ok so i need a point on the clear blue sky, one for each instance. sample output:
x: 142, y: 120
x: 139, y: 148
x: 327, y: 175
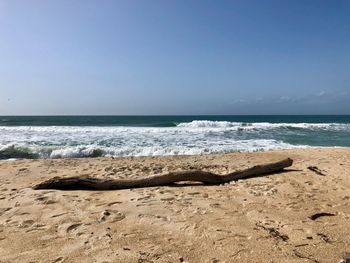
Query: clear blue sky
x: 174, y: 57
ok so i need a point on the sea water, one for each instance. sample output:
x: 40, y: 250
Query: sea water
x: 93, y: 136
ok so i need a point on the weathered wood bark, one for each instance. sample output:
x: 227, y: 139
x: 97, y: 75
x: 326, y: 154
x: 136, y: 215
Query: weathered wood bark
x: 83, y: 183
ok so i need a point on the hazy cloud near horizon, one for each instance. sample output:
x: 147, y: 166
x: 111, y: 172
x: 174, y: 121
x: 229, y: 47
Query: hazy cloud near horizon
x: 178, y: 57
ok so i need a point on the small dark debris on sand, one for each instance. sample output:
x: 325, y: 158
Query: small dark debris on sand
x: 316, y: 170
x: 317, y: 215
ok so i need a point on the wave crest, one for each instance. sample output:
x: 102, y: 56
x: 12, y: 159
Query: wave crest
x: 261, y: 125
x: 17, y: 152
x: 83, y: 151
x: 187, y: 138
x: 209, y: 124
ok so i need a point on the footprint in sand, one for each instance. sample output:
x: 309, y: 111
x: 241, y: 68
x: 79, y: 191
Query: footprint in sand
x: 215, y: 205
x: 26, y: 223
x: 68, y: 228
x: 73, y: 227
x: 4, y: 210
x: 111, y: 216
x: 34, y: 227
x: 59, y: 260
x: 114, y: 203
x: 23, y: 170
x: 44, y: 200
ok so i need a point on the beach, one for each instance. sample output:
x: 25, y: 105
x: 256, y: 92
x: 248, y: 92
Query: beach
x: 174, y: 131
x: 274, y: 218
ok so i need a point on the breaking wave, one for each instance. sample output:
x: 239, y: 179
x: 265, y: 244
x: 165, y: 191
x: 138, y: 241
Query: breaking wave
x: 261, y: 125
x: 187, y: 138
x: 82, y: 151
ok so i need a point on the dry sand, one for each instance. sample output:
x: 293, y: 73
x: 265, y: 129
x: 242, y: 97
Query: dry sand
x: 262, y: 219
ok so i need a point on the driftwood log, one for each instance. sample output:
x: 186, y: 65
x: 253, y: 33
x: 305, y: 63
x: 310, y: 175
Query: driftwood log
x: 90, y: 183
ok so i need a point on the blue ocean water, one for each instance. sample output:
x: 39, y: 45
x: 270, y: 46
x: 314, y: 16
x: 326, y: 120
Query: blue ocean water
x: 92, y: 136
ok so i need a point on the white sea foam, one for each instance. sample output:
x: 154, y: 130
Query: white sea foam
x: 261, y: 125
x: 157, y: 150
x: 209, y: 124
x: 196, y: 137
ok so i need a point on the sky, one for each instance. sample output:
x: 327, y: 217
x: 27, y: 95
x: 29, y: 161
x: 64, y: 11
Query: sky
x: 174, y: 57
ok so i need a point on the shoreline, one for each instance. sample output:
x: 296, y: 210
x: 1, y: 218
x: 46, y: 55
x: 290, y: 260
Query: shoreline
x: 253, y: 220
x: 298, y: 147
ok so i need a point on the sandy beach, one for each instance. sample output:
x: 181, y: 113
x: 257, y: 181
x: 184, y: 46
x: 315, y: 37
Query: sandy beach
x: 265, y: 219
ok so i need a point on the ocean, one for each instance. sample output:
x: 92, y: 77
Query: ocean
x: 32, y: 137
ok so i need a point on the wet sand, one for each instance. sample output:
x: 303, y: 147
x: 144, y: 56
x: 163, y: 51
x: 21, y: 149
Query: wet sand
x: 265, y: 219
